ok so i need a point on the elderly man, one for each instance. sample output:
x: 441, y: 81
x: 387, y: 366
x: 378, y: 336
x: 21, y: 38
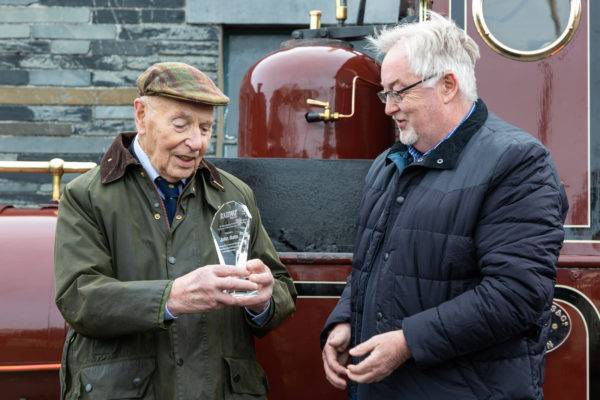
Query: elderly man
x: 149, y: 309
x: 459, y: 231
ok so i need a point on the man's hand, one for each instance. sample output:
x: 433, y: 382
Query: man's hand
x: 203, y: 289
x: 261, y: 275
x: 335, y: 355
x: 388, y: 351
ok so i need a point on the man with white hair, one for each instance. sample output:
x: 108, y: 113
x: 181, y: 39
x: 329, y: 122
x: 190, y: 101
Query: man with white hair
x: 459, y: 231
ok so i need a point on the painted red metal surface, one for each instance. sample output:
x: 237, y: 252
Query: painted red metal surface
x: 273, y: 98
x: 31, y: 328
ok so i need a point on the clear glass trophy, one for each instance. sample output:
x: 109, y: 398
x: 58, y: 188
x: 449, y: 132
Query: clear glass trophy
x: 230, y: 230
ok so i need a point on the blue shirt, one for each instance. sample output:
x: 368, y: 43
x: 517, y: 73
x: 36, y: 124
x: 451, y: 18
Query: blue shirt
x: 142, y: 157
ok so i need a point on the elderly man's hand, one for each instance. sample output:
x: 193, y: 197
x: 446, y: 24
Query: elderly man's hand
x: 335, y: 355
x: 261, y: 275
x: 387, y: 351
x: 205, y: 289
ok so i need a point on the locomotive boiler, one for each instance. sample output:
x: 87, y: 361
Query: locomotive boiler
x: 309, y: 125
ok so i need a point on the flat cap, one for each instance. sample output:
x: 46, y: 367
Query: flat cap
x: 182, y: 82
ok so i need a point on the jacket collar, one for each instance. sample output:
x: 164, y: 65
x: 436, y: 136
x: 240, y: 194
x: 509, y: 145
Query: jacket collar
x: 446, y: 154
x: 118, y: 157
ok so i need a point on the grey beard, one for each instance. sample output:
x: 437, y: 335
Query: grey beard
x: 408, y: 136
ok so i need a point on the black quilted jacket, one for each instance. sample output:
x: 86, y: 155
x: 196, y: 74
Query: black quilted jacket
x: 459, y: 250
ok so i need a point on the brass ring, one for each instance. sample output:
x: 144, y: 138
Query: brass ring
x: 527, y: 55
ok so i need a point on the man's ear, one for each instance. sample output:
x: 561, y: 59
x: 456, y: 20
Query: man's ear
x: 449, y: 87
x: 139, y: 111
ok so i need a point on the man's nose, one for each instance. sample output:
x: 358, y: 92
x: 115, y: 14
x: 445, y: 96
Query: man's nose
x: 391, y: 107
x: 194, y: 142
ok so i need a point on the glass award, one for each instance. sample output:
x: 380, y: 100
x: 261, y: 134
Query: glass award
x: 230, y: 230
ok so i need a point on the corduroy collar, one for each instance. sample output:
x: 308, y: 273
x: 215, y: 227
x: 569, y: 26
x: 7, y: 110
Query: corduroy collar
x: 118, y: 157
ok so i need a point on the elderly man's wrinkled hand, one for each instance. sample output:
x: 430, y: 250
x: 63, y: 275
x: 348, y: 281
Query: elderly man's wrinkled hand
x: 335, y: 355
x: 387, y: 352
x: 207, y: 288
x: 261, y: 275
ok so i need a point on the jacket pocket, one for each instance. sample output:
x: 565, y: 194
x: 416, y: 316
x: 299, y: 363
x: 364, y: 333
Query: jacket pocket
x: 64, y: 374
x: 118, y: 379
x: 246, y: 378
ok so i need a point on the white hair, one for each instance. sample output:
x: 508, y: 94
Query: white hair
x: 434, y: 47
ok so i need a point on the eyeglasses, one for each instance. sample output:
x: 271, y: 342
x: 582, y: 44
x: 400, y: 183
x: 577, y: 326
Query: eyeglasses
x: 397, y: 96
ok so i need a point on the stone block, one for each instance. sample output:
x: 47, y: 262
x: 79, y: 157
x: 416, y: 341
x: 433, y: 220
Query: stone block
x: 40, y: 61
x: 175, y: 32
x: 110, y: 78
x: 74, y: 31
x: 165, y: 16
x: 70, y: 46
x: 50, y: 144
x: 14, y: 31
x: 207, y: 48
x: 207, y: 64
x: 151, y: 3
x: 24, y: 47
x: 10, y: 61
x: 116, y: 3
x: 28, y: 95
x: 17, y: 2
x: 60, y: 78
x: 110, y: 63
x: 115, y: 16
x: 34, y: 129
x: 103, y: 127
x: 133, y: 48
x: 111, y: 112
x: 14, y: 77
x: 44, y: 14
x: 8, y: 156
x: 60, y: 113
x: 77, y: 3
x: 16, y: 113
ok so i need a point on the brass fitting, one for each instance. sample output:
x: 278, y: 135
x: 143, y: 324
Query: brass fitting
x: 315, y: 19
x: 341, y: 11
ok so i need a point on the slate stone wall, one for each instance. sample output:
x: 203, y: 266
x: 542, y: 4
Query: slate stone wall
x: 68, y: 71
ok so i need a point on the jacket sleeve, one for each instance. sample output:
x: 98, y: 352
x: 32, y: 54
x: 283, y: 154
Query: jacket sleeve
x: 92, y: 301
x: 518, y: 240
x: 341, y: 313
x: 284, y: 292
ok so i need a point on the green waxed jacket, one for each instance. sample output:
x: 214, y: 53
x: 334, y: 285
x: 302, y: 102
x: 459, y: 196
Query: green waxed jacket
x: 115, y: 260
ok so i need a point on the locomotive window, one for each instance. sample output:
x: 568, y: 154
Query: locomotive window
x: 527, y: 30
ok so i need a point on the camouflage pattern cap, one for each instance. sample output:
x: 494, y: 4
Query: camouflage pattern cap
x: 180, y: 81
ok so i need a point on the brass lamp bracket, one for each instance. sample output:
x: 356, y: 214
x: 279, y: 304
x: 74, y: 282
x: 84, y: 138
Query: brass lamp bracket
x: 56, y: 167
x: 327, y: 115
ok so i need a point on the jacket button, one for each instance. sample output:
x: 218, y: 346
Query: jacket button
x: 157, y: 216
x: 440, y: 161
x: 400, y: 199
x: 179, y: 217
x: 88, y: 387
x: 136, y: 382
x: 386, y: 256
x: 180, y: 362
x: 156, y: 205
x: 237, y: 378
x: 171, y: 260
x: 379, y: 316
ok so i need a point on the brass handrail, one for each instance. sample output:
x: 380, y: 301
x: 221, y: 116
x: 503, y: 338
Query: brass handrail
x: 56, y: 167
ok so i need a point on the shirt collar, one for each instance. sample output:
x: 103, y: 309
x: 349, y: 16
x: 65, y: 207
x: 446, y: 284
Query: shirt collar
x: 145, y: 160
